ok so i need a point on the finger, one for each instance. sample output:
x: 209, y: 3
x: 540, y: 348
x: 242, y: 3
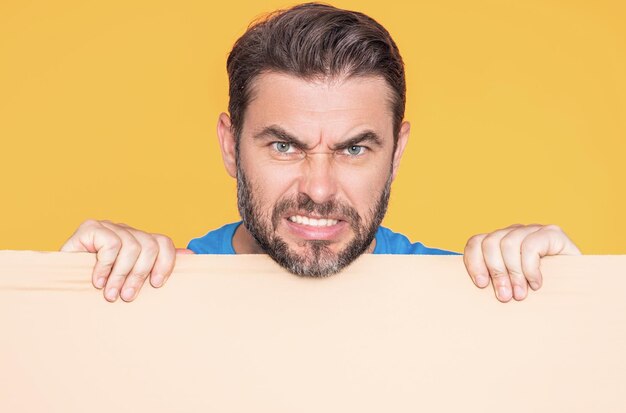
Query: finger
x: 143, y: 266
x: 474, y: 261
x: 510, y: 246
x: 549, y: 240
x: 126, y: 259
x: 164, y: 264
x: 92, y: 236
x: 495, y: 264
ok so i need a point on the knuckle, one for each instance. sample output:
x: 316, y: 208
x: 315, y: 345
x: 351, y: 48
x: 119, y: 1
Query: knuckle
x: 552, y: 227
x: 117, y: 277
x: 150, y: 247
x: 163, y: 239
x: 489, y: 241
x: 511, y: 242
x: 137, y: 277
x: 498, y: 273
x: 115, y: 242
x: 475, y: 240
x: 88, y: 223
x: 528, y: 247
x: 132, y: 247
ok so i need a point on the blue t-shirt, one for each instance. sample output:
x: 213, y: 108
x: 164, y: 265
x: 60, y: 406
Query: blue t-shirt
x: 220, y: 241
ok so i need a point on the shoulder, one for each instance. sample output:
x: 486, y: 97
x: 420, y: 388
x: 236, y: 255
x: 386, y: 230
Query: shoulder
x: 217, y: 241
x: 390, y: 242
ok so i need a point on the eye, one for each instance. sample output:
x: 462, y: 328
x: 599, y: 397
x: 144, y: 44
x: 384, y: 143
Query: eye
x: 355, y: 150
x: 282, y: 147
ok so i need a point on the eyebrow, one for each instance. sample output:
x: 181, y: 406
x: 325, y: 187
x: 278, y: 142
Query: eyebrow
x: 277, y: 132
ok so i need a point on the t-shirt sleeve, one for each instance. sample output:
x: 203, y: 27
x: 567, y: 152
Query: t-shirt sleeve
x: 389, y: 242
x: 419, y: 248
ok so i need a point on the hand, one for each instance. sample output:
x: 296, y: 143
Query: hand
x: 125, y: 257
x: 510, y: 256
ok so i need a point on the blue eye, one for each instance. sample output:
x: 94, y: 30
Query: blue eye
x: 355, y: 150
x: 282, y: 147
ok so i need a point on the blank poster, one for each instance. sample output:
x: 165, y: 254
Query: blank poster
x: 240, y: 334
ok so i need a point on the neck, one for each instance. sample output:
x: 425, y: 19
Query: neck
x: 244, y: 242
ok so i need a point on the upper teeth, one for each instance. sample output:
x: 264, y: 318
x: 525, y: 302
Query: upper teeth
x: 312, y: 221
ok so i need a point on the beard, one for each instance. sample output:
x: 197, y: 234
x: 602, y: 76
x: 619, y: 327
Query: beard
x: 318, y: 259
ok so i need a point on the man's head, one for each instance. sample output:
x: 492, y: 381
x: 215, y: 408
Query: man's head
x: 314, y: 41
x: 315, y: 133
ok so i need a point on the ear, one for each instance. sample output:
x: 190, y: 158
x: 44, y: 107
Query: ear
x: 403, y: 137
x: 227, y: 144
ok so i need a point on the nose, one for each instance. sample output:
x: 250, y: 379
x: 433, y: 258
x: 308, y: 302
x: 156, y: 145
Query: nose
x: 318, y: 177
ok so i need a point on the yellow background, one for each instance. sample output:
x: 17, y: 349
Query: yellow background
x: 108, y: 111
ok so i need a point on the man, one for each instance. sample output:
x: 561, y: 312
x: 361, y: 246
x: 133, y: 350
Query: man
x: 314, y: 138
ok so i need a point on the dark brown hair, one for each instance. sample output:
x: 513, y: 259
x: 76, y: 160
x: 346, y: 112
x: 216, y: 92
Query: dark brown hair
x: 314, y: 40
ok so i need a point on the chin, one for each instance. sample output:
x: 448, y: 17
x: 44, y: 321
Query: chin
x: 313, y: 270
x: 314, y: 259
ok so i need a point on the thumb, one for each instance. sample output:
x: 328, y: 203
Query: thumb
x: 551, y: 240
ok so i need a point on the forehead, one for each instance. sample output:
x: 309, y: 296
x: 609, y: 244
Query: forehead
x: 320, y: 108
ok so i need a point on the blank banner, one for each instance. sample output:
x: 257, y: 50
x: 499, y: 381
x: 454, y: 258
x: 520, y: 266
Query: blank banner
x: 239, y: 334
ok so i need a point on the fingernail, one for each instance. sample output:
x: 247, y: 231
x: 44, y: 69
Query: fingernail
x: 519, y: 291
x: 481, y: 280
x: 111, y: 294
x: 100, y: 282
x: 128, y: 293
x: 157, y: 280
x: 503, y: 293
x: 534, y: 285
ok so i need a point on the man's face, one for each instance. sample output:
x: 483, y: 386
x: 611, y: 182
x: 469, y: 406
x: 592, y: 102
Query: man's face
x: 314, y: 168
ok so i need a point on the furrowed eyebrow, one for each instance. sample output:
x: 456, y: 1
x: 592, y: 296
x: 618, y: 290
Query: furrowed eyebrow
x: 363, y: 137
x: 281, y: 134
x: 277, y: 132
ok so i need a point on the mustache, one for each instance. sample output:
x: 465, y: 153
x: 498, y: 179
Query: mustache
x: 303, y: 202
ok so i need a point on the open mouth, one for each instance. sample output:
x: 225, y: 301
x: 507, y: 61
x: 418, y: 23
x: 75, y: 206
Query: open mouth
x: 316, y: 228
x: 313, y: 222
